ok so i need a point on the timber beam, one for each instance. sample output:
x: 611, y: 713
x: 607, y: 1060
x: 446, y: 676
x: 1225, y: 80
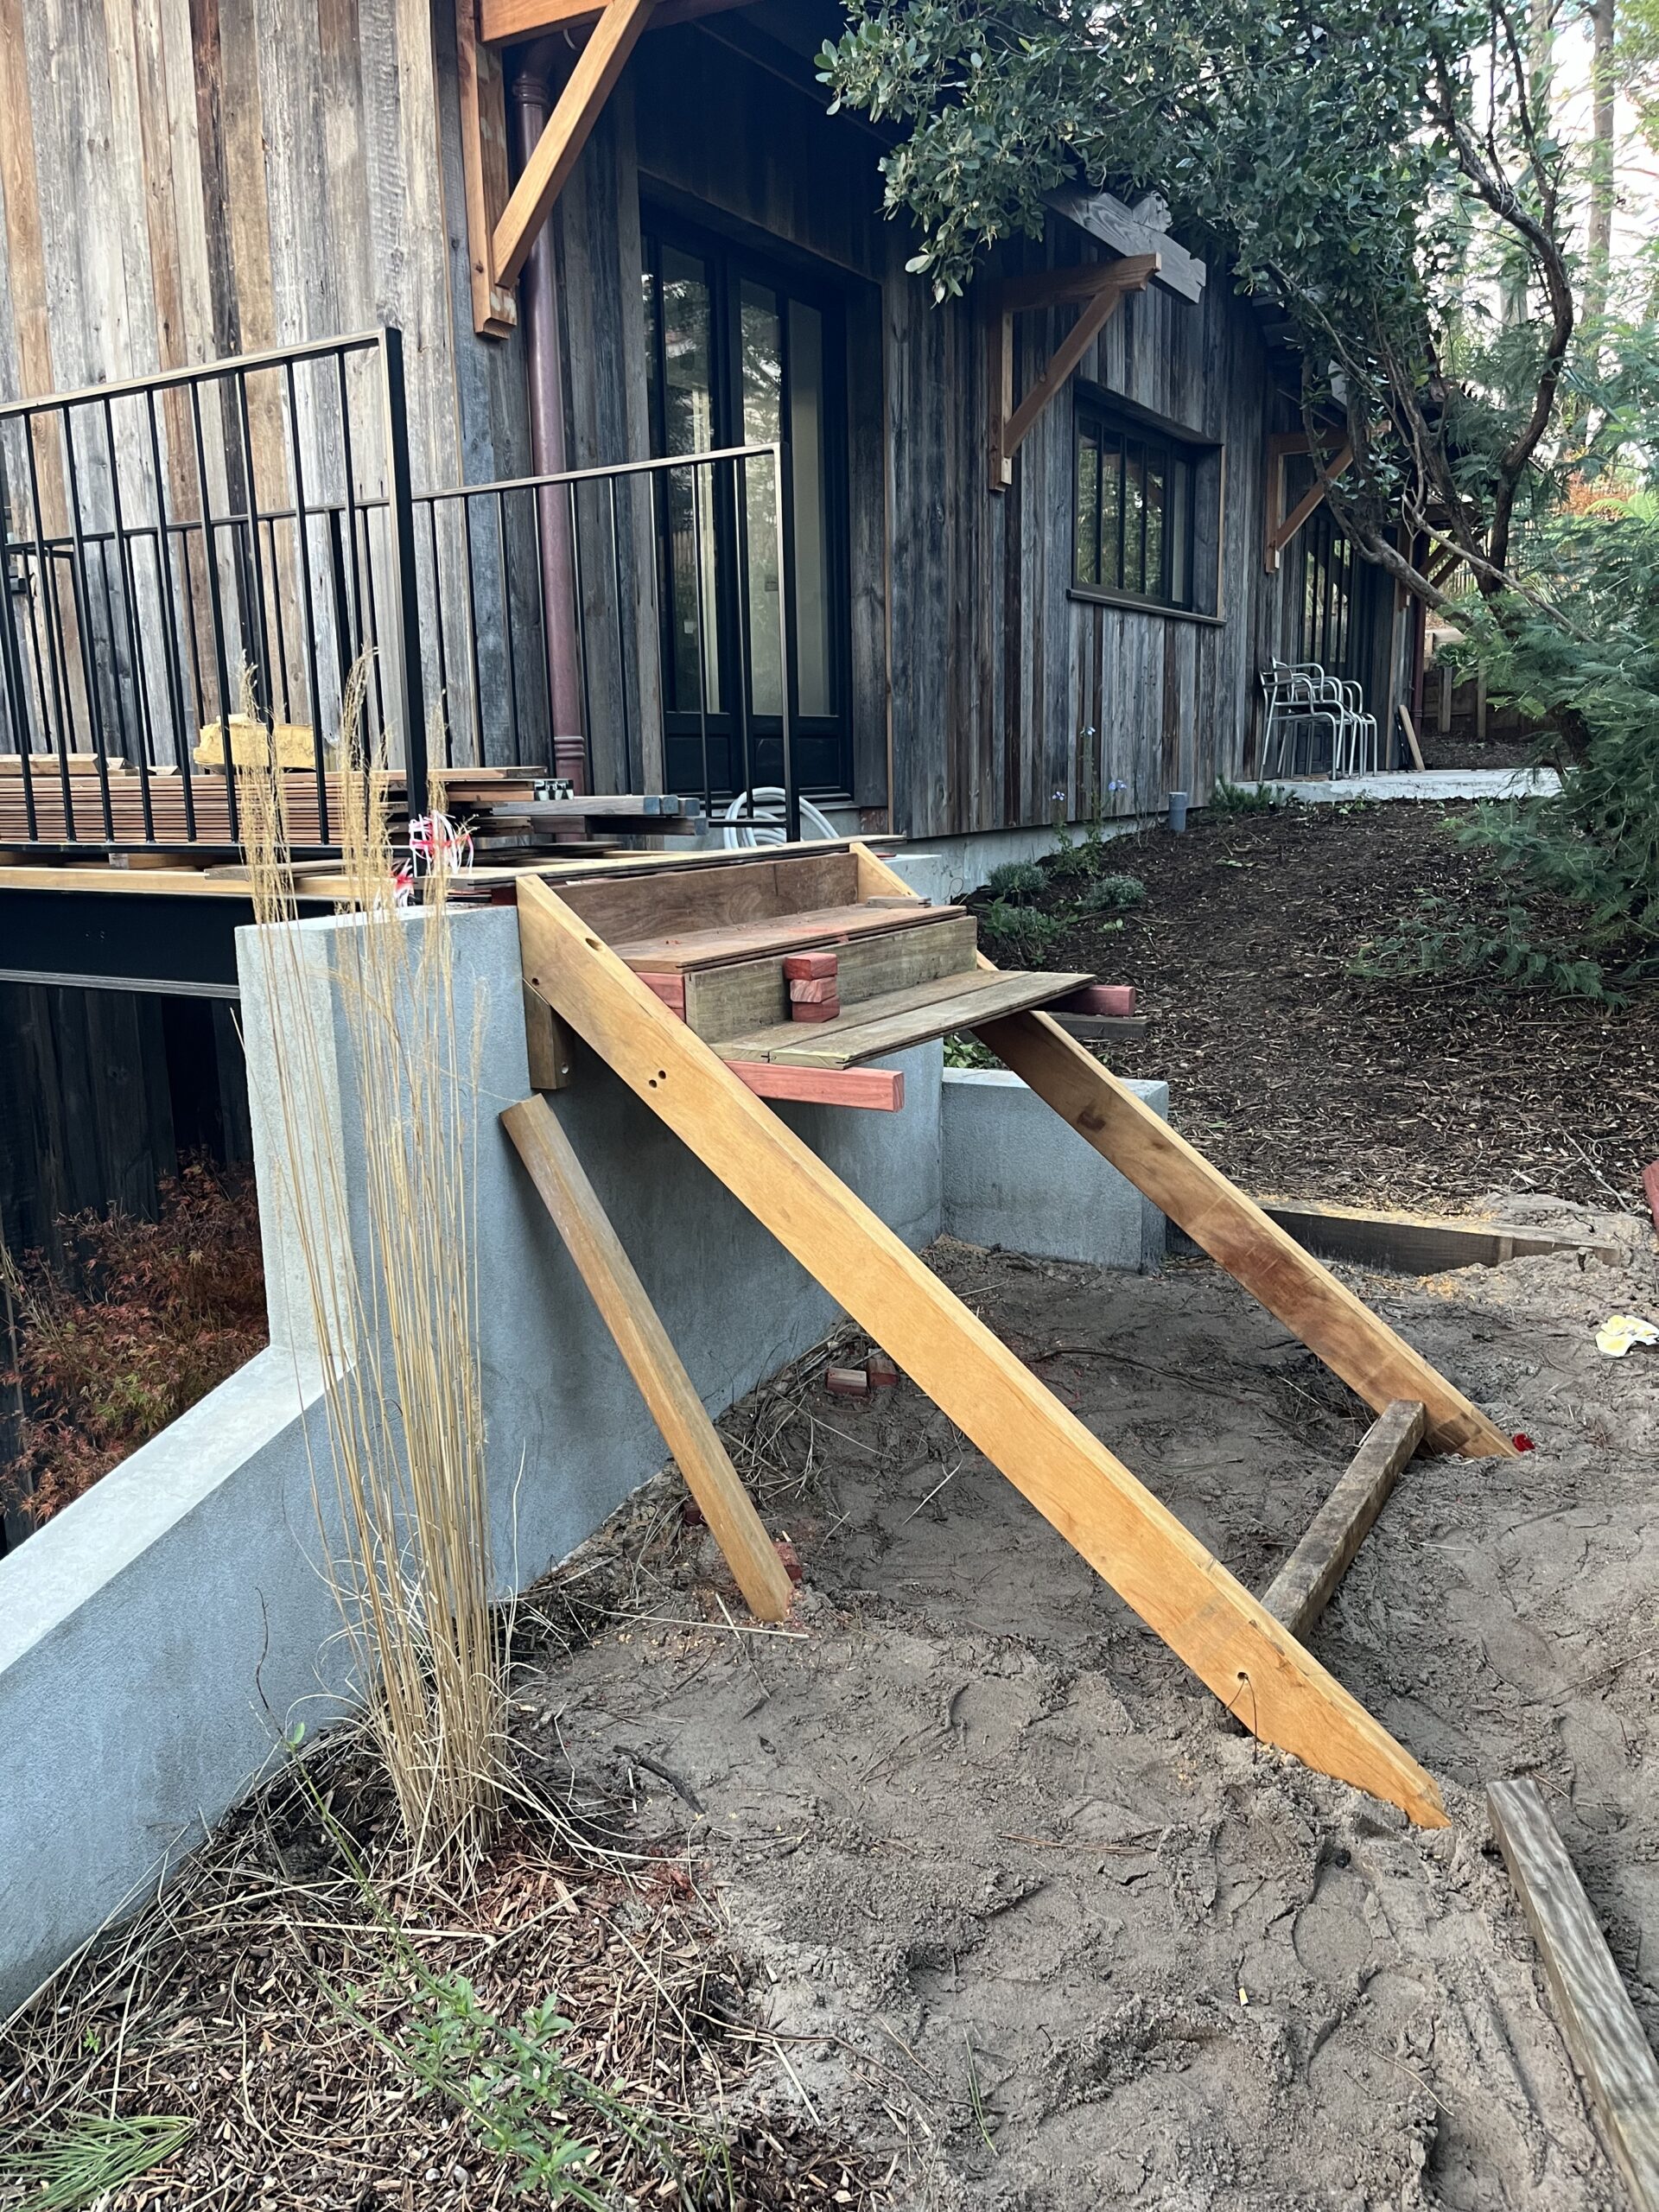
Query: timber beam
x: 1259, y: 1671
x: 1100, y: 288
x: 598, y: 65
x: 503, y: 22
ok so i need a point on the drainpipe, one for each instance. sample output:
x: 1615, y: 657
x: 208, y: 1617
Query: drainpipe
x: 538, y: 309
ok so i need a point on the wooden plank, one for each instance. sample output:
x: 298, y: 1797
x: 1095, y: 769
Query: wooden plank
x: 1106, y: 218
x: 598, y: 65
x: 1420, y: 1243
x: 788, y: 933
x: 1304, y: 1586
x: 753, y: 994
x: 1155, y: 1565
x: 880, y: 1090
x: 900, y: 1019
x: 484, y: 168
x: 1598, y: 2021
x: 1410, y: 729
x: 643, y: 903
x: 655, y: 1366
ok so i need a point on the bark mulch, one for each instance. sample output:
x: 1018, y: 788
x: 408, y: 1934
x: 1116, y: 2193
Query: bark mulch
x: 1302, y: 1078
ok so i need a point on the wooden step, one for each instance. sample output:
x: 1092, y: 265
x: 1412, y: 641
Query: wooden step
x: 899, y: 1018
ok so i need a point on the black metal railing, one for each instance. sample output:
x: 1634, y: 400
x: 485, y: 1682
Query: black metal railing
x: 187, y: 560
x: 192, y: 566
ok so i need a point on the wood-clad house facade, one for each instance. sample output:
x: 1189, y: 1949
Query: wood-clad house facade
x: 185, y: 180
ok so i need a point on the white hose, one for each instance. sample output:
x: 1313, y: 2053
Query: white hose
x: 765, y: 827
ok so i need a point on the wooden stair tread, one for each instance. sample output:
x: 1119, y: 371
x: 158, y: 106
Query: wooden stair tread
x: 692, y: 949
x: 898, y: 1019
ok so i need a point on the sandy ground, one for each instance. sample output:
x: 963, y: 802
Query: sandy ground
x: 1039, y: 1927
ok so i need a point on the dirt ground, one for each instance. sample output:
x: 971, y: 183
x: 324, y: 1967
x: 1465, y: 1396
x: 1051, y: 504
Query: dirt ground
x: 1035, y: 1925
x: 1303, y: 1079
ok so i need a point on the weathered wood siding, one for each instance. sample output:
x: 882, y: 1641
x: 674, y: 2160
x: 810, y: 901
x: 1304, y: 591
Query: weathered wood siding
x: 185, y: 180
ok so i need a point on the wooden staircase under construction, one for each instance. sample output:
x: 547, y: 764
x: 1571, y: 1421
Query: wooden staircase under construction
x: 711, y: 983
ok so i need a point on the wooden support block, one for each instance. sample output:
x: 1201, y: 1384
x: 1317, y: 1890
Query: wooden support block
x: 1303, y: 1587
x: 816, y: 990
x: 810, y: 967
x: 883, y: 1374
x: 1104, y: 1028
x: 846, y: 1381
x: 1206, y: 1617
x: 815, y: 1009
x: 670, y: 988
x: 1420, y: 1243
x: 546, y: 1044
x: 1650, y: 1189
x: 652, y: 1361
x: 1114, y: 999
x: 879, y: 1089
x: 1598, y: 2021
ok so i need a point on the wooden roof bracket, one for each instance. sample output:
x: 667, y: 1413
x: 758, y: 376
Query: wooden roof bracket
x: 502, y: 226
x: 1098, y: 286
x: 1278, y: 527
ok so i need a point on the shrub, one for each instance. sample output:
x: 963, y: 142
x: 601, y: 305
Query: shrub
x: 1229, y: 799
x: 1016, y: 879
x: 1020, y: 932
x: 147, y: 1318
x: 1110, y: 894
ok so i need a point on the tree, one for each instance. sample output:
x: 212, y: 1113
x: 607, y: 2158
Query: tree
x: 1339, y: 155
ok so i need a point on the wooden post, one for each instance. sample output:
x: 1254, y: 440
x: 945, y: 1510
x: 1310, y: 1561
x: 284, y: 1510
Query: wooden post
x: 1208, y: 1619
x: 655, y: 1366
x: 1306, y: 1582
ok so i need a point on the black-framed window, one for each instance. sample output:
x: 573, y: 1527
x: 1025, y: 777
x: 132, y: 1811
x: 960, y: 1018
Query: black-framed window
x: 742, y: 349
x: 1135, y: 509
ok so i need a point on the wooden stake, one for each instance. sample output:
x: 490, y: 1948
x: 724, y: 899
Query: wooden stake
x: 1261, y: 1674
x: 1306, y: 1583
x: 655, y: 1366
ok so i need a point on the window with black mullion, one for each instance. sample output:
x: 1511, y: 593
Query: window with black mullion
x: 1135, y: 512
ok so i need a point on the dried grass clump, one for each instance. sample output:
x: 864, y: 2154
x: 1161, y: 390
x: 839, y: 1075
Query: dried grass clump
x: 406, y: 1526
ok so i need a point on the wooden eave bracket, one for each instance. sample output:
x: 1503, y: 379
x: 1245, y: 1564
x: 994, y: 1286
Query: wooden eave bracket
x: 1279, y: 528
x: 503, y: 224
x: 1098, y: 287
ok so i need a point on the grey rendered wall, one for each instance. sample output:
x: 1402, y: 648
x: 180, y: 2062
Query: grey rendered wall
x: 159, y: 1638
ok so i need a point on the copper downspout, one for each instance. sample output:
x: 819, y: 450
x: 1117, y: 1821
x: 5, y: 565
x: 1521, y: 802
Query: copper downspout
x: 538, y: 306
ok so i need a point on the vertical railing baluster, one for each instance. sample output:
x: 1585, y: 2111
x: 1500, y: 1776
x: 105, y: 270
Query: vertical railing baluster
x: 11, y: 659
x: 745, y: 615
x: 135, y: 642
x: 506, y: 609
x: 307, y: 609
x: 181, y: 743
x: 628, y: 751
x: 581, y: 632
x: 84, y: 616
x: 479, y: 754
x: 789, y: 672
x: 664, y: 628
x: 437, y: 617
x: 215, y: 613
x: 405, y: 605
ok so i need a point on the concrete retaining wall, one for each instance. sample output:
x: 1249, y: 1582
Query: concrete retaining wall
x: 159, y: 1638
x: 1014, y: 1174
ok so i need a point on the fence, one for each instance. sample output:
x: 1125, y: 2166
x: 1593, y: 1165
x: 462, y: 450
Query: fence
x: 192, y: 565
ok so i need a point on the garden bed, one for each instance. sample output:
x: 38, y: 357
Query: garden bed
x: 1302, y: 1077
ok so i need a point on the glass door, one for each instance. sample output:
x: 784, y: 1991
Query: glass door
x: 740, y: 354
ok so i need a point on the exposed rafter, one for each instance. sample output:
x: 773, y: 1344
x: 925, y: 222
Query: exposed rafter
x: 503, y: 22
x: 1099, y: 287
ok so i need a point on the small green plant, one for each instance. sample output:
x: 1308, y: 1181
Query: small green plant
x: 1111, y: 894
x: 1228, y: 800
x: 964, y: 1049
x: 1502, y: 941
x: 1016, y: 879
x: 82, y: 2162
x: 1020, y: 932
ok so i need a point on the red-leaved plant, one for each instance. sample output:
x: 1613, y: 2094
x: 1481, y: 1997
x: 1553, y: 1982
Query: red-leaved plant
x: 145, y: 1319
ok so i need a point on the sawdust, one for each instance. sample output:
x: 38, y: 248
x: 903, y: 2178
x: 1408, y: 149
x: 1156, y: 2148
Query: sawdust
x: 1034, y: 1921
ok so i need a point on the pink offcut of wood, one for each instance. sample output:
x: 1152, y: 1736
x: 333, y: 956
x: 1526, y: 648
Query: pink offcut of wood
x: 668, y: 987
x: 1117, y: 999
x: 881, y: 1090
x: 1650, y: 1189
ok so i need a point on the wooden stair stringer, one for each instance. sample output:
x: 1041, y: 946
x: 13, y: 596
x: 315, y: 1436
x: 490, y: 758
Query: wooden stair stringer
x: 1259, y: 1672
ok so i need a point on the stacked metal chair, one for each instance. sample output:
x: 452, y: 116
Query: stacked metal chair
x: 1302, y: 703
